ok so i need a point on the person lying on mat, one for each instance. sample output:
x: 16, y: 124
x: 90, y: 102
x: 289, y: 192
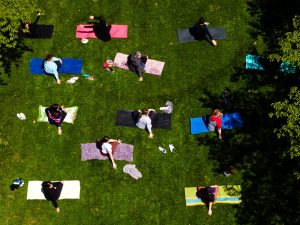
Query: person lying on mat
x: 107, y: 147
x: 215, y: 122
x: 56, y: 116
x: 144, y: 119
x: 136, y: 63
x: 101, y: 28
x: 28, y: 29
x: 52, y: 192
x: 200, y: 32
x: 52, y: 65
x: 208, y: 195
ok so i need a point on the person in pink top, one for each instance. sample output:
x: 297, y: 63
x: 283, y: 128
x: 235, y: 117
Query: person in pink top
x: 215, y: 122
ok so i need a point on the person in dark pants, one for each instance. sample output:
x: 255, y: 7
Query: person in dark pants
x: 100, y: 28
x: 28, y: 29
x: 208, y: 196
x: 144, y: 119
x: 52, y: 65
x: 56, y: 116
x: 200, y: 32
x: 136, y: 63
x: 52, y: 192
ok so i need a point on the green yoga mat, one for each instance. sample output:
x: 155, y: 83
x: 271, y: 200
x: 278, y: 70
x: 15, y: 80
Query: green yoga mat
x: 228, y: 194
x: 71, y: 114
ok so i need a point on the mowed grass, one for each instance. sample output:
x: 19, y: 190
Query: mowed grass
x: 34, y: 151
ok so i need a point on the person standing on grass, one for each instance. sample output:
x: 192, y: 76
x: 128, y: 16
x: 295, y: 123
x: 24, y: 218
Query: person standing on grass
x: 107, y: 147
x: 215, y: 122
x: 136, y: 63
x: 56, y: 116
x: 200, y: 32
x: 52, y: 65
x: 51, y: 191
x: 144, y: 120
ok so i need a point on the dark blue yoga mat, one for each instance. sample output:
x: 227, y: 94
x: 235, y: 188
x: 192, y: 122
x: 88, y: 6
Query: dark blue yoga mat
x: 229, y: 121
x: 71, y: 66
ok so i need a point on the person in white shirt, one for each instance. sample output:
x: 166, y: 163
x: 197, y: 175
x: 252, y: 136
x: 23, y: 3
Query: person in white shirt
x: 107, y: 147
x: 145, y: 120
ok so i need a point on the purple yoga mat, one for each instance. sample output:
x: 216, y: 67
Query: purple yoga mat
x: 89, y: 151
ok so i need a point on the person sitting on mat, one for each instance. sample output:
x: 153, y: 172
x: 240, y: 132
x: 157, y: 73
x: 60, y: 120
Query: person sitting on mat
x: 52, y: 192
x: 28, y: 29
x: 200, y: 32
x: 101, y: 28
x: 52, y: 65
x: 136, y: 63
x: 144, y: 119
x: 107, y: 147
x: 208, y: 195
x: 215, y: 122
x: 56, y: 116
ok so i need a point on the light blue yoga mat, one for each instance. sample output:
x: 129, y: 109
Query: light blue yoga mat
x: 70, y: 66
x: 229, y: 121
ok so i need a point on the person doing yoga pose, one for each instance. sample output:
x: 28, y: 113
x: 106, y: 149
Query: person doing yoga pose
x: 136, y: 63
x: 144, y: 120
x: 200, y: 32
x: 29, y: 29
x: 215, y: 122
x: 101, y: 28
x: 107, y: 147
x: 56, y: 116
x: 208, y: 196
x: 52, y: 192
x: 52, y: 65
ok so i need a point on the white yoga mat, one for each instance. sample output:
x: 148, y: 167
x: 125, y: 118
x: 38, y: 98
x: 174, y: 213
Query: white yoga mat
x: 70, y: 190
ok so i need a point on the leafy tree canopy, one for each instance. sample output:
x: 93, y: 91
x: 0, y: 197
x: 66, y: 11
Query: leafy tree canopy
x: 12, y: 12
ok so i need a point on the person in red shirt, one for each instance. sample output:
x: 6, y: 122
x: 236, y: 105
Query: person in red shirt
x: 215, y: 122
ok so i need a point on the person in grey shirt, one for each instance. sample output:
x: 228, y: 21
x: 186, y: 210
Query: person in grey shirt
x: 136, y: 63
x: 145, y: 120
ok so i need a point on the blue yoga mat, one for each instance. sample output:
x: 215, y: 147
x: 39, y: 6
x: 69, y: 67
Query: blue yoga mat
x: 72, y: 66
x: 252, y: 63
x: 229, y: 121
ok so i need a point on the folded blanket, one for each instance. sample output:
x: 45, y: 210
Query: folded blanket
x: 70, y: 190
x: 69, y: 66
x: 123, y: 151
x: 71, y: 114
x: 153, y: 67
x: 183, y: 34
x: 228, y: 194
x: 229, y: 121
x: 116, y: 31
x: 125, y: 118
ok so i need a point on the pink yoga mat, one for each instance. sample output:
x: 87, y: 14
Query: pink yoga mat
x: 152, y: 66
x: 116, y: 31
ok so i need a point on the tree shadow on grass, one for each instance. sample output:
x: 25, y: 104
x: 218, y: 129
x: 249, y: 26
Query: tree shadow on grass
x: 269, y: 186
x: 10, y: 57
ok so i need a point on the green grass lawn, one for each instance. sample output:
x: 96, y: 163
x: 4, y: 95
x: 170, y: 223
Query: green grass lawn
x: 34, y: 151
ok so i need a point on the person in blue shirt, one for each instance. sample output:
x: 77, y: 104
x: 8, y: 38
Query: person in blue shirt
x: 52, y: 65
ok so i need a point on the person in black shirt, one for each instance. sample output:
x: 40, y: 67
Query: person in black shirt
x: 52, y: 192
x: 56, y: 116
x: 200, y: 32
x: 101, y: 29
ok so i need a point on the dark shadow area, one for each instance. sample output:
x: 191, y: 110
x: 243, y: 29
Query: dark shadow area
x: 270, y: 190
x: 11, y: 56
x: 272, y: 18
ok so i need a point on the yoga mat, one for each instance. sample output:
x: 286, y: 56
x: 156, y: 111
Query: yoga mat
x: 253, y: 63
x: 228, y: 194
x: 39, y: 31
x: 116, y: 31
x: 229, y: 121
x: 125, y: 118
x: 70, y: 190
x: 183, y: 34
x: 152, y: 66
x: 70, y: 66
x: 123, y: 151
x: 70, y: 117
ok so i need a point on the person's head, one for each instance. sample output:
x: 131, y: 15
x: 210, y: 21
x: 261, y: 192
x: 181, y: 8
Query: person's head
x: 48, y: 57
x: 215, y: 112
x: 100, y: 142
x: 55, y: 109
x: 138, y: 54
x: 201, y: 20
x: 145, y: 112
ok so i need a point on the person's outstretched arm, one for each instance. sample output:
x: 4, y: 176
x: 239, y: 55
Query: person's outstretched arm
x: 112, y: 160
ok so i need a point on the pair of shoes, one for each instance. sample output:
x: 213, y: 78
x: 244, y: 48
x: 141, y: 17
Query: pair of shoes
x: 141, y: 79
x: 72, y: 80
x: 21, y: 116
